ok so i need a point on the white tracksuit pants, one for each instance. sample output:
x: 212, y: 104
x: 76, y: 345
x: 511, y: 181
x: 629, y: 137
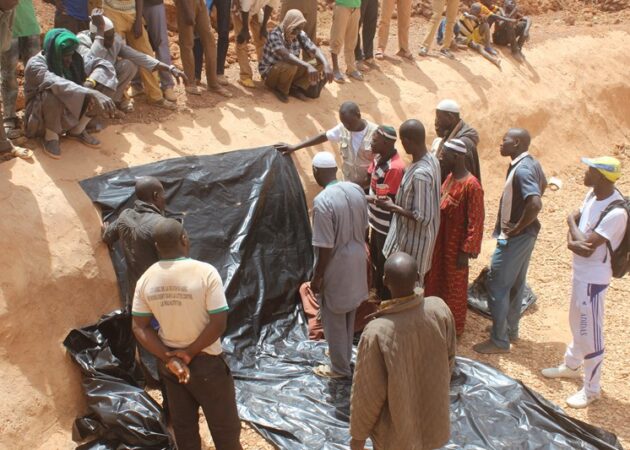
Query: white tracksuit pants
x: 586, y: 316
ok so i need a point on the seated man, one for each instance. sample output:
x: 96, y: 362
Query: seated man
x: 101, y: 41
x: 474, y: 28
x: 512, y: 34
x: 57, y: 102
x: 281, y: 67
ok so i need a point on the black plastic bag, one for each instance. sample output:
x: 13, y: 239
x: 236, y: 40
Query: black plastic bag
x: 119, y: 410
x: 478, y: 295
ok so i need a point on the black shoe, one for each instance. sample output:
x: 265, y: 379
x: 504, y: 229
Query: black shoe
x: 52, y: 149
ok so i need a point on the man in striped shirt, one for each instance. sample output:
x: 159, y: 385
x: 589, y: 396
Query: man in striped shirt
x: 386, y: 172
x: 416, y: 212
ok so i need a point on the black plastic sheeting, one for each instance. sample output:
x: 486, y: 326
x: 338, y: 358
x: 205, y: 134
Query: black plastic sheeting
x: 478, y: 295
x: 246, y: 214
x: 121, y: 415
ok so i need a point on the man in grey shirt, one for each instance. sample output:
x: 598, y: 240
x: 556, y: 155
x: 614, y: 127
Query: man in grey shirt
x: 340, y: 222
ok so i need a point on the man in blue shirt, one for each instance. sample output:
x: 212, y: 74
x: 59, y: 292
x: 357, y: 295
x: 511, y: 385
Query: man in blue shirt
x: 516, y: 231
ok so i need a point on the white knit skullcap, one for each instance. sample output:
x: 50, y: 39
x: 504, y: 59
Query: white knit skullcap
x: 324, y: 160
x: 457, y: 145
x: 448, y: 105
x: 109, y: 25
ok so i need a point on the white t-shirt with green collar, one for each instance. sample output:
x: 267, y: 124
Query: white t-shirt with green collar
x: 182, y: 294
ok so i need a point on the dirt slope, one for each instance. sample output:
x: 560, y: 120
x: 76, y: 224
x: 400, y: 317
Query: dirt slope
x: 573, y: 95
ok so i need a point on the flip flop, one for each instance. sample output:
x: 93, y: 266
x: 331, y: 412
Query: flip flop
x: 405, y: 54
x: 85, y: 138
x: 379, y: 54
x: 21, y: 152
x: 339, y: 78
x: 356, y: 75
x: 325, y: 371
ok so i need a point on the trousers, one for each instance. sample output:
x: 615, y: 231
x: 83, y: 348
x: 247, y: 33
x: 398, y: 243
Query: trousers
x: 365, y: 41
x: 377, y: 242
x: 284, y: 76
x: 339, y: 332
x: 21, y: 48
x: 211, y: 386
x: 344, y: 33
x: 123, y: 24
x: 155, y: 19
x: 404, y: 17
x: 187, y: 39
x: 586, y: 317
x: 506, y: 285
x: 242, y: 52
x: 436, y: 18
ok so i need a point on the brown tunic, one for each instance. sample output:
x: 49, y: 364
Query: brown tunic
x: 400, y: 392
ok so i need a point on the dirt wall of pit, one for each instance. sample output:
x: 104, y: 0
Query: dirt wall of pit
x: 55, y: 274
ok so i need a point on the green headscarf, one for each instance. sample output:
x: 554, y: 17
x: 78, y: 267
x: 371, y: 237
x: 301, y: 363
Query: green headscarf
x: 57, y: 43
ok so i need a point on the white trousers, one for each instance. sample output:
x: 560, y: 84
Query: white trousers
x: 586, y: 316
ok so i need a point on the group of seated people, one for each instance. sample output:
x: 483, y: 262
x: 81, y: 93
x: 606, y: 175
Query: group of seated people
x: 93, y: 68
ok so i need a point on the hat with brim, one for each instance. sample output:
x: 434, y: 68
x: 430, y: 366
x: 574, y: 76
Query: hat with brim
x: 608, y: 166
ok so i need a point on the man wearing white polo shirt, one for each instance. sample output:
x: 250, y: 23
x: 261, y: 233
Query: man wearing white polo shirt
x: 186, y: 297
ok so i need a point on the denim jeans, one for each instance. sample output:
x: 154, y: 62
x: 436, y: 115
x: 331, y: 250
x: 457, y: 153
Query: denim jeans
x: 21, y: 48
x: 506, y: 285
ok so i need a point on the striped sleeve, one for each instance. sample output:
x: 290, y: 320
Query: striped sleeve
x: 423, y: 208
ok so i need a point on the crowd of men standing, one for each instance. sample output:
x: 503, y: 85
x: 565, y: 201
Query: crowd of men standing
x: 103, y: 54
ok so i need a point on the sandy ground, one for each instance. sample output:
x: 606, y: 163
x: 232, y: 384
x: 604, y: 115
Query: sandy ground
x: 573, y: 95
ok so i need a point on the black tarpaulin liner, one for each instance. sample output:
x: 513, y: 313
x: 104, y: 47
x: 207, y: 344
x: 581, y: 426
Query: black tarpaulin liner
x: 245, y: 213
x: 478, y: 295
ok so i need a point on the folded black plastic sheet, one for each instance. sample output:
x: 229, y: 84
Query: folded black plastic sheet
x: 478, y: 295
x: 245, y: 213
x: 120, y: 413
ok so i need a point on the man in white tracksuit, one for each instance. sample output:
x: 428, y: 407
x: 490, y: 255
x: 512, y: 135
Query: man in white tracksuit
x: 591, y: 237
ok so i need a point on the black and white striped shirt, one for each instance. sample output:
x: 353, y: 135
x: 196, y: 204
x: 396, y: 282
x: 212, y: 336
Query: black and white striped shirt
x: 419, y: 192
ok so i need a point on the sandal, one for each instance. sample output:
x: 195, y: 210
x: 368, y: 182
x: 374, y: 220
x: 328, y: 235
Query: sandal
x: 339, y: 78
x: 379, y: 54
x: 21, y: 152
x: 325, y: 371
x: 355, y: 75
x: 85, y: 138
x: 220, y: 90
x: 125, y: 105
x: 12, y: 128
x: 405, y: 54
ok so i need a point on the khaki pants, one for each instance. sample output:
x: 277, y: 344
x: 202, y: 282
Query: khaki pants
x: 404, y: 16
x: 283, y: 75
x: 344, y: 33
x: 241, y: 49
x: 123, y: 24
x: 187, y: 40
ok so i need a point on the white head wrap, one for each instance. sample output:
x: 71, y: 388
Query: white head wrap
x: 457, y: 145
x: 109, y: 25
x: 324, y: 160
x: 448, y: 105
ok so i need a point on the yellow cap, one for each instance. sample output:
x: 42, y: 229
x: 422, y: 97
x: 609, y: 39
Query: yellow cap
x: 606, y: 165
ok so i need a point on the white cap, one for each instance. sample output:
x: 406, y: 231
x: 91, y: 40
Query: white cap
x: 109, y: 25
x: 324, y: 160
x: 448, y: 105
x: 457, y: 145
